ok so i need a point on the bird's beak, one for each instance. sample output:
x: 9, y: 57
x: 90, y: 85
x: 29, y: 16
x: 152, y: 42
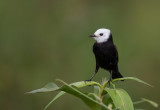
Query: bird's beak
x: 92, y: 35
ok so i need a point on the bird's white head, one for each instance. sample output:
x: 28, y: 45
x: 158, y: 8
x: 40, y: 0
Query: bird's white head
x: 101, y: 35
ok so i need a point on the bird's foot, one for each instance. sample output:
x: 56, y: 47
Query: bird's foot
x: 88, y: 80
x: 109, y: 81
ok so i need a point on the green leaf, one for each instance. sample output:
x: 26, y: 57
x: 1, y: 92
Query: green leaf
x: 147, y: 100
x: 93, y: 104
x: 120, y: 98
x: 54, y: 99
x: 83, y: 83
x: 96, y: 90
x: 151, y: 102
x: 107, y: 100
x: 132, y: 78
x: 140, y: 109
x: 47, y: 88
x: 77, y: 84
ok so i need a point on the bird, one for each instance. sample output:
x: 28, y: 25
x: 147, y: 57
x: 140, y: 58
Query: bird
x: 106, y: 54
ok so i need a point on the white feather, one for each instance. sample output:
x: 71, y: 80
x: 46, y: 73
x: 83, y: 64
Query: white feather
x: 106, y: 33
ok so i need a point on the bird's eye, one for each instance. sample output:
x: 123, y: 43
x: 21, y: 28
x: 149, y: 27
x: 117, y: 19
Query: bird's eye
x: 101, y: 34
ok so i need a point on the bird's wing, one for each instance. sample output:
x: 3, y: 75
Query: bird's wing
x: 116, y: 53
x: 113, y: 55
x: 107, y: 54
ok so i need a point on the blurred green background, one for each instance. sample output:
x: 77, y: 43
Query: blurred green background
x: 42, y: 40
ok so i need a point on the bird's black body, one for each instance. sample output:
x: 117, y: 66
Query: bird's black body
x: 106, y: 56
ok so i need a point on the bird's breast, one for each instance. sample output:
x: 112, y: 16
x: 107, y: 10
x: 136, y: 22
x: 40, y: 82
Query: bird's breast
x: 105, y: 55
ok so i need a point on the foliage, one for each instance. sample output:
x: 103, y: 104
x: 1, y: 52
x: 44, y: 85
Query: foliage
x: 103, y: 97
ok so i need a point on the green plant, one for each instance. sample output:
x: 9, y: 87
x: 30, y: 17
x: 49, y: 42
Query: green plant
x: 103, y: 97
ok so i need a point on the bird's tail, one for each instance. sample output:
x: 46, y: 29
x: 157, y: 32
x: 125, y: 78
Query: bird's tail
x: 116, y: 75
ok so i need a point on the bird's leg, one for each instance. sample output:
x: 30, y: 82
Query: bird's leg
x: 110, y: 79
x: 96, y: 70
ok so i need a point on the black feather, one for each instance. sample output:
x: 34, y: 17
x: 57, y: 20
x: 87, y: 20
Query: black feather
x: 106, y: 56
